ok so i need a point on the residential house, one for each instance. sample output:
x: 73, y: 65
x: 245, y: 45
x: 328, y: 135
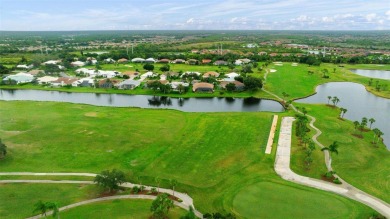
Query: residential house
x: 46, y: 79
x: 107, y: 83
x: 239, y: 85
x: 20, y: 78
x: 24, y: 66
x: 164, y: 61
x: 122, y: 60
x: 150, y: 60
x: 128, y: 84
x: 178, y: 61
x: 51, y: 62
x: 175, y: 85
x: 62, y: 81
x: 109, y: 60
x: 203, y: 87
x: 206, y: 61
x: 262, y: 53
x: 85, y: 82
x: 221, y: 62
x: 192, y: 62
x: 138, y: 60
x: 230, y: 76
x: 211, y: 74
x: 77, y: 63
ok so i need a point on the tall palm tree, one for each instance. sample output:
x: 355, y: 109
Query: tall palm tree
x: 376, y: 132
x: 173, y: 184
x: 372, y: 120
x: 364, y: 122
x: 356, y: 124
x: 329, y: 98
x: 332, y: 148
x: 53, y: 207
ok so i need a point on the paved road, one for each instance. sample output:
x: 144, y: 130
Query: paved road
x: 282, y: 168
x: 151, y: 197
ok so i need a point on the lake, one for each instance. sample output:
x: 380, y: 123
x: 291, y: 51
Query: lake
x: 214, y: 104
x: 381, y: 74
x: 359, y: 103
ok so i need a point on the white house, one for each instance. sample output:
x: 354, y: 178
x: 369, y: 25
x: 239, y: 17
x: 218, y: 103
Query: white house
x: 46, y: 79
x: 230, y: 76
x: 52, y: 62
x: 138, y: 60
x: 150, y: 60
x: 191, y: 73
x: 24, y: 66
x: 77, y: 63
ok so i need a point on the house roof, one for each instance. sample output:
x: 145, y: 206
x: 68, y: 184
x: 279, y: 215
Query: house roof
x: 206, y: 61
x: 108, y: 81
x: 65, y: 80
x: 237, y: 83
x: 211, y: 74
x: 123, y: 60
x: 130, y: 82
x: 202, y: 85
x: 137, y: 60
x: 35, y: 72
x: 164, y: 60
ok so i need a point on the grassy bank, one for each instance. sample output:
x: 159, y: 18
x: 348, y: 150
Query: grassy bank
x: 297, y: 82
x: 213, y: 156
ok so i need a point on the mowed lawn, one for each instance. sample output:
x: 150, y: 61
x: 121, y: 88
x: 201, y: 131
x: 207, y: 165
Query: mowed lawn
x: 18, y: 200
x: 359, y: 162
x: 213, y: 156
x: 293, y: 202
x: 129, y: 209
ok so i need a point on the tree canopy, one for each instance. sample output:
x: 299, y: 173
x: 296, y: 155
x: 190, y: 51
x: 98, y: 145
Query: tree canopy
x: 161, y: 206
x: 110, y: 179
x: 252, y: 83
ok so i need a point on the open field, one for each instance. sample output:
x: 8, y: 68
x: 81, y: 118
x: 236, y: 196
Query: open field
x: 130, y: 209
x: 359, y: 162
x: 298, y: 83
x: 213, y: 156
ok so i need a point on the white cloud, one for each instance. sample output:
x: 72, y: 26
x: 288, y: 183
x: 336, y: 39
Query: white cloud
x: 190, y: 21
x: 371, y: 16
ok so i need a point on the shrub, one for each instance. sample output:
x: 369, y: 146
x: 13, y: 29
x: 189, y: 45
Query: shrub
x: 136, y: 189
x: 337, y: 181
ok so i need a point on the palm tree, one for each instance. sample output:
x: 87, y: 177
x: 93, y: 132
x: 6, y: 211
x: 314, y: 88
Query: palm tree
x: 364, y: 122
x: 54, y: 207
x: 3, y: 150
x: 41, y: 207
x: 332, y: 148
x: 376, y: 132
x: 180, y: 88
x: 158, y: 180
x: 173, y: 184
x: 372, y: 120
x: 329, y: 98
x: 344, y: 111
x: 379, y: 134
x: 356, y: 124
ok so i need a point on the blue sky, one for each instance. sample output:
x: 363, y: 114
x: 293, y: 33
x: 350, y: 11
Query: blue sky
x: 194, y: 15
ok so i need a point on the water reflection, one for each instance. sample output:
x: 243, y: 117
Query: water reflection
x: 145, y: 101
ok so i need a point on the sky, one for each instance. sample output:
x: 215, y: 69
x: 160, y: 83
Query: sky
x: 31, y: 15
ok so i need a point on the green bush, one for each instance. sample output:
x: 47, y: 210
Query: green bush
x: 337, y: 181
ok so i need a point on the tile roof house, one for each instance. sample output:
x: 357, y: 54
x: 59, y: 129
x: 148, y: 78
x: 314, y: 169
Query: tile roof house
x: 239, y: 85
x: 211, y: 74
x: 107, y: 83
x: 203, y: 87
x: 128, y: 84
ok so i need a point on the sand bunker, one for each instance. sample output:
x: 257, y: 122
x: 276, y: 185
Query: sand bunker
x: 272, y: 70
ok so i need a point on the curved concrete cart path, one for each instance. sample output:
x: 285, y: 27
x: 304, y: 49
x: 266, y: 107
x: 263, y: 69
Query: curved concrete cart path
x: 282, y: 168
x: 151, y: 197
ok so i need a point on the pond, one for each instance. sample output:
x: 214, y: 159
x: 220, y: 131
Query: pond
x: 214, y: 104
x: 380, y: 74
x: 359, y: 103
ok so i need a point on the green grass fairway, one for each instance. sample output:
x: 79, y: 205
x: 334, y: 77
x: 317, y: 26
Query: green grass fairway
x: 213, y: 156
x: 294, y: 202
x: 130, y: 209
x: 17, y: 200
x: 359, y: 162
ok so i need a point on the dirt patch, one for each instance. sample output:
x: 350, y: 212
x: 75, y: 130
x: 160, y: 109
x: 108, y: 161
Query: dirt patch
x: 328, y: 179
x: 91, y: 114
x: 357, y: 135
